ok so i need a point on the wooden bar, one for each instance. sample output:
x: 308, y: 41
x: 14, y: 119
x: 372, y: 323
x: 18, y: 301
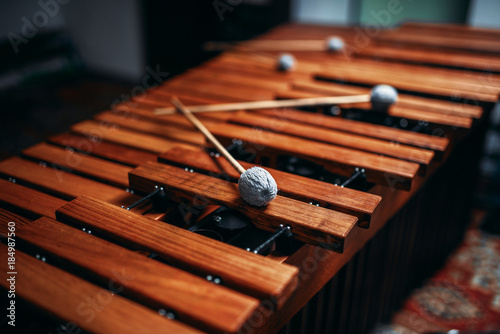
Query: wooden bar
x: 435, y: 143
x: 101, y: 170
x: 7, y: 217
x: 416, y: 55
x: 440, y: 119
x: 82, y: 304
x: 336, y: 159
x: 170, y: 132
x: 404, y: 100
x: 249, y: 273
x: 423, y: 157
x: 352, y: 202
x: 452, y: 42
x: 311, y: 224
x: 208, y: 306
x: 62, y: 183
x: 124, y: 137
x: 30, y: 202
x: 102, y: 149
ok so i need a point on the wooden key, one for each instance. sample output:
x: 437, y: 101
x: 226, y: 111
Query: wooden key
x: 62, y: 183
x: 237, y: 268
x: 79, y: 302
x: 193, y: 299
x: 99, y: 169
x: 170, y: 132
x: 29, y: 202
x: 438, y: 144
x: 337, y: 159
x: 6, y: 220
x: 103, y: 149
x: 441, y: 119
x: 311, y: 224
x: 352, y: 202
x: 125, y: 137
x: 423, y: 157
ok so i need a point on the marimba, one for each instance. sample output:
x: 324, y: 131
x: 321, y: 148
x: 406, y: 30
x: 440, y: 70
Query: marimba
x: 374, y: 201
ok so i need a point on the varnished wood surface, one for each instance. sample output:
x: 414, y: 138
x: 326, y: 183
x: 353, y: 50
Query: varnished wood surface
x: 386, y: 148
x: 7, y: 217
x: 193, y: 299
x: 335, y: 158
x: 101, y: 170
x: 61, y: 183
x: 115, y: 134
x: 315, y: 225
x: 247, y: 272
x: 439, y: 119
x: 452, y: 42
x: 30, y: 202
x: 346, y: 200
x: 435, y: 143
x: 79, y: 302
x: 103, y: 149
x: 404, y: 100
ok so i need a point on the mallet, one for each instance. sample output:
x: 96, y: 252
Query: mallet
x: 256, y: 186
x: 332, y: 44
x: 381, y: 97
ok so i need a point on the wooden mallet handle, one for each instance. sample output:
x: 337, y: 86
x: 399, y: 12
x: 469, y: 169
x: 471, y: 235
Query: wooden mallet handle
x: 268, y: 45
x: 307, y: 102
x: 182, y: 109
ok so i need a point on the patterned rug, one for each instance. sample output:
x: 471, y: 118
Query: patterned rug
x: 464, y: 295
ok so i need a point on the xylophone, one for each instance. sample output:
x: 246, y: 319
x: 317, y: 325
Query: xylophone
x: 131, y: 222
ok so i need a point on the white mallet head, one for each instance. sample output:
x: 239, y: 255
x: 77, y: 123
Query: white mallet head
x: 334, y: 44
x: 257, y: 187
x: 286, y: 62
x: 382, y: 96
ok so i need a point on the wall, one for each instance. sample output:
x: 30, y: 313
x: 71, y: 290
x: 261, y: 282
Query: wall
x: 106, y: 33
x: 323, y: 11
x: 484, y: 13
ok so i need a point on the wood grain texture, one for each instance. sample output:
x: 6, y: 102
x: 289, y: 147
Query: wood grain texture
x: 95, y: 168
x: 439, y: 119
x: 170, y: 132
x: 425, y: 104
x: 102, y: 149
x: 452, y: 42
x: 105, y: 131
x: 62, y: 183
x: 30, y: 202
x: 194, y: 300
x: 479, y: 62
x: 352, y: 202
x: 402, y: 83
x: 73, y: 299
x: 337, y: 159
x: 423, y: 157
x: 238, y: 269
x: 311, y: 224
x: 6, y: 217
x: 438, y: 144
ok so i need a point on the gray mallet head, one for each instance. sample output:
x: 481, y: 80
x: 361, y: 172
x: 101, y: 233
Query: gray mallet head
x: 334, y: 44
x: 383, y: 96
x: 257, y: 187
x: 286, y: 62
